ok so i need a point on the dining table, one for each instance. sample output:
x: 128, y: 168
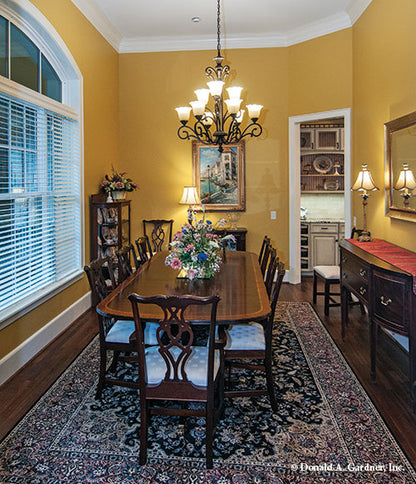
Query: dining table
x: 239, y: 284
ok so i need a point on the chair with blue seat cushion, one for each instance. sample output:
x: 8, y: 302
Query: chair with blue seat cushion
x: 116, y: 336
x: 251, y: 342
x: 176, y: 371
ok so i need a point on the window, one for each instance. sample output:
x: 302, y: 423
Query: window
x: 41, y: 227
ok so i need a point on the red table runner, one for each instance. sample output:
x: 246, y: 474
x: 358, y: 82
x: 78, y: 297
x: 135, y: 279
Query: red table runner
x: 397, y: 256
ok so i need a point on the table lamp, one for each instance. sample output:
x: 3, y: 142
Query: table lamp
x: 364, y: 183
x: 405, y: 182
x: 190, y: 197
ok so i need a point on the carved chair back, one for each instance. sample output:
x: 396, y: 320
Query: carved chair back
x: 160, y: 235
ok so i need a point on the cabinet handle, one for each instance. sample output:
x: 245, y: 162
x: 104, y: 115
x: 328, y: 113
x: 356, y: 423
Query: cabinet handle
x: 363, y: 272
x: 324, y: 228
x: 312, y: 144
x: 362, y: 290
x: 344, y: 276
x: 337, y: 144
x: 385, y: 302
x: 343, y: 258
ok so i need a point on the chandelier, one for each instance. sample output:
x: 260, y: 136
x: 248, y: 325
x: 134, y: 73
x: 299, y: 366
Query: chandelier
x: 218, y: 125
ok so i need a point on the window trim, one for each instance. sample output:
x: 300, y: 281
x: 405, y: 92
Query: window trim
x: 31, y: 21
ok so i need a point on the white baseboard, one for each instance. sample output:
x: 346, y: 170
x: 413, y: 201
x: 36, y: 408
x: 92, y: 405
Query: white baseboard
x: 17, y: 358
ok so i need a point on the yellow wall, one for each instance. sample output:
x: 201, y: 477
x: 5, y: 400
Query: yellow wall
x: 130, y: 121
x: 310, y: 77
x: 98, y: 63
x: 384, y: 80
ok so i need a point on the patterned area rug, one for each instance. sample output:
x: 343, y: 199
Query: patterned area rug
x: 326, y: 430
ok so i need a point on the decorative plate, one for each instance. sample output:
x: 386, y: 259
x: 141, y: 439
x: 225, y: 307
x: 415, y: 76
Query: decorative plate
x: 322, y: 164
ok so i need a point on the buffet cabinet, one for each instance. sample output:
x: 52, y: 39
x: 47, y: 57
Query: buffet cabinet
x: 240, y: 237
x: 110, y: 226
x: 388, y: 293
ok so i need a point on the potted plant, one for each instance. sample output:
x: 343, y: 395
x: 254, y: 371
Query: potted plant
x: 117, y: 185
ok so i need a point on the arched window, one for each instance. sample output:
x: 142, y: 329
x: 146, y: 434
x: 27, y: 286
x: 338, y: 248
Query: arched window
x: 41, y: 226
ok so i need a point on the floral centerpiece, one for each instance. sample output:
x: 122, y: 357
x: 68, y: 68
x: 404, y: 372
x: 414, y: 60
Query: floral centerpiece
x: 117, y: 183
x: 196, y: 250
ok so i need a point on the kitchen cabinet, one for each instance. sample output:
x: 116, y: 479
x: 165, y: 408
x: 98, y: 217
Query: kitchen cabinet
x: 329, y: 139
x: 319, y: 244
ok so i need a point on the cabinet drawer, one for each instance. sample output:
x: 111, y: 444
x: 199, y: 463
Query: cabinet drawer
x: 390, y: 301
x: 324, y: 228
x: 355, y: 275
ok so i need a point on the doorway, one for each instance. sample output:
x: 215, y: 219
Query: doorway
x: 294, y: 276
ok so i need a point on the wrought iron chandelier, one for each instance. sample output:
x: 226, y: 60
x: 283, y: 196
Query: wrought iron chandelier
x: 219, y: 125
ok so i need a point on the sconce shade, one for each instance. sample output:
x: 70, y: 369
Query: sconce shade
x: 190, y: 196
x: 364, y: 181
x: 406, y: 179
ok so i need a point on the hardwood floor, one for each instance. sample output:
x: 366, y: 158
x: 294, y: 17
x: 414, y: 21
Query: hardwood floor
x: 390, y: 394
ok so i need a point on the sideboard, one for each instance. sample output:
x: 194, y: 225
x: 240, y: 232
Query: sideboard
x: 385, y: 284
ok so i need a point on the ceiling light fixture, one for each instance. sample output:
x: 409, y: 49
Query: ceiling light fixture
x: 220, y: 125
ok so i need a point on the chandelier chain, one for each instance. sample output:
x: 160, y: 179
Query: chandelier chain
x: 218, y: 28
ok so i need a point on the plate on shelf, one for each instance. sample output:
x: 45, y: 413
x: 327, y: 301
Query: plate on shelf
x: 322, y: 164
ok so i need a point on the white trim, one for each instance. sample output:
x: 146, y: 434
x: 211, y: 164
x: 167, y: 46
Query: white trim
x: 37, y: 298
x: 100, y: 21
x: 32, y: 22
x: 17, y: 358
x: 123, y: 45
x: 325, y: 26
x: 294, y: 182
x: 25, y: 94
x: 356, y: 8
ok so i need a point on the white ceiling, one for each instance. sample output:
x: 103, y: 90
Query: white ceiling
x: 166, y: 25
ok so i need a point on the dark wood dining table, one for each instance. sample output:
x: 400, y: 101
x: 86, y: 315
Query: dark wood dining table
x: 239, y: 284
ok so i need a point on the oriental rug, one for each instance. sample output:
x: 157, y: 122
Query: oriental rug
x: 326, y: 429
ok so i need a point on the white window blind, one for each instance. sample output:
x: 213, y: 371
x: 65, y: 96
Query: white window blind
x: 40, y: 201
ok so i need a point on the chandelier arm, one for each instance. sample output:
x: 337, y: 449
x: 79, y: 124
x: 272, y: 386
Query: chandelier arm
x: 253, y: 129
x: 199, y: 131
x: 234, y: 133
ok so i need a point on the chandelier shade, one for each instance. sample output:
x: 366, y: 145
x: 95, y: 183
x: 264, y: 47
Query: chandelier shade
x: 218, y: 122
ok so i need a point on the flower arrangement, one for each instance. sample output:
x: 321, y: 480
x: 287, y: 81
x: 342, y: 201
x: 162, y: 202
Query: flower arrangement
x: 118, y: 182
x: 196, y: 249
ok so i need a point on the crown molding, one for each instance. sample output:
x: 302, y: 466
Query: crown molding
x: 356, y: 8
x: 326, y: 26
x: 95, y: 15
x: 163, y: 44
x: 310, y: 31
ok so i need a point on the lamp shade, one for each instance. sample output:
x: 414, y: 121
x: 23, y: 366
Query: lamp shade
x: 364, y: 181
x: 406, y: 179
x: 190, y: 196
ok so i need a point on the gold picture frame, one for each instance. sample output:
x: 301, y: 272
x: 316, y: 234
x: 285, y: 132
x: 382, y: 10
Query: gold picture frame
x: 220, y: 177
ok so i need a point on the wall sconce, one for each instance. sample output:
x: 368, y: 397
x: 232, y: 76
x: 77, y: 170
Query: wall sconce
x: 364, y: 183
x: 405, y: 182
x: 190, y: 197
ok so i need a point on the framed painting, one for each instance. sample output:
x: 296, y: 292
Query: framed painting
x: 220, y: 177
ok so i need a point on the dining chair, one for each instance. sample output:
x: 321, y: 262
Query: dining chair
x: 116, y: 336
x: 143, y: 249
x: 125, y: 256
x: 271, y: 270
x: 264, y: 254
x: 177, y: 371
x: 160, y: 235
x: 253, y: 341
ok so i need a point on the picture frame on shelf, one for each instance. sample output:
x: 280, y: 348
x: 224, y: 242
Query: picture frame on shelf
x: 220, y: 177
